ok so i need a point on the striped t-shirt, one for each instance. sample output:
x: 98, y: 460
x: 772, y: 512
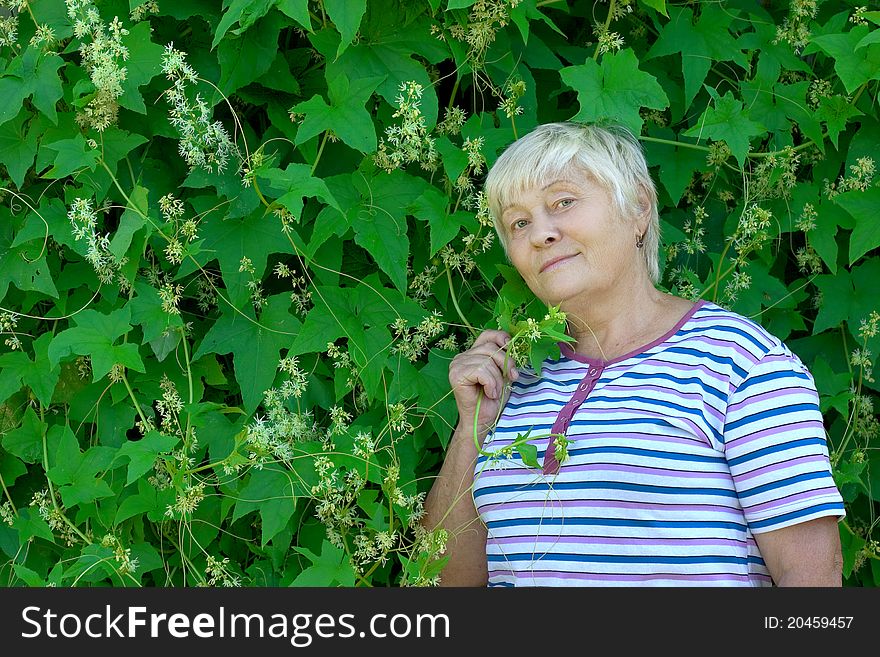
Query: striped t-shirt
x: 678, y: 453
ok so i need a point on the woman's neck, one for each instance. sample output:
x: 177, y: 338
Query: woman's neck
x: 606, y: 329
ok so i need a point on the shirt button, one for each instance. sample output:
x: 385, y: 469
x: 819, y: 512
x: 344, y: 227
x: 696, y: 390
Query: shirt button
x: 582, y: 386
x: 593, y: 371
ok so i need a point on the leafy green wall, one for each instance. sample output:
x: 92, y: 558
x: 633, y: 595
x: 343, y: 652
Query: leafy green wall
x: 240, y: 243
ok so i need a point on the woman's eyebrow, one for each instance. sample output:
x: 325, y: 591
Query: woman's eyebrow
x: 559, y: 181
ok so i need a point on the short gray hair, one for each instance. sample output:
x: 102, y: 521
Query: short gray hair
x: 611, y: 155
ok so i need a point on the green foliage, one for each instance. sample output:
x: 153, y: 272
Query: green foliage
x: 241, y: 242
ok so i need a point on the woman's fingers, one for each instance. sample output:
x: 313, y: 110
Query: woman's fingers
x: 486, y: 363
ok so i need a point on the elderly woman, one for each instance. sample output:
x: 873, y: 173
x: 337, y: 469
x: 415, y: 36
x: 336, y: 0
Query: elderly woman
x: 696, y: 451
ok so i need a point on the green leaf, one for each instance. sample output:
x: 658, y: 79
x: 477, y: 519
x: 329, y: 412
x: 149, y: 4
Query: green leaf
x: 846, y: 296
x: 380, y: 223
x: 10, y: 468
x: 331, y: 567
x: 272, y: 492
x: 146, y: 312
x: 529, y: 455
x: 17, y: 149
x: 699, y: 44
x: 24, y: 266
x: 393, y: 62
x: 244, y: 59
x: 298, y: 10
x: 255, y: 345
x: 244, y: 12
x: 836, y: 113
x: 346, y: 16
x: 72, y: 155
x: 16, y: 368
x: 855, y: 66
x: 862, y: 206
x: 678, y: 164
x: 255, y: 237
x: 727, y: 121
x: 432, y: 207
x: 143, y: 64
x: 294, y: 184
x: 74, y: 471
x: 143, y: 501
x: 95, y: 335
x: 13, y: 91
x: 614, y: 90
x: 39, y: 78
x: 141, y: 454
x: 346, y: 116
x: 659, y: 5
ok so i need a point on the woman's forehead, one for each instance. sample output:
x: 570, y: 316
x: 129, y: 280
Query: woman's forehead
x: 568, y: 178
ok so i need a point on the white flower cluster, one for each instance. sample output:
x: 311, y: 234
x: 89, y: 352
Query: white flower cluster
x: 751, y: 232
x: 271, y: 438
x: 861, y: 176
x: 102, y: 51
x: 796, y: 29
x: 203, y: 143
x: 8, y: 322
x: 84, y: 220
x: 125, y: 564
x: 218, y: 574
x: 9, y: 23
x: 413, y: 342
x: 49, y: 511
x: 187, y: 501
x: 408, y: 142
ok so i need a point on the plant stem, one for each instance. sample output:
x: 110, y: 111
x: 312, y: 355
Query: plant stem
x: 455, y: 303
x: 318, y: 156
x: 134, y: 399
x: 58, y: 510
x: 608, y: 19
x: 8, y: 496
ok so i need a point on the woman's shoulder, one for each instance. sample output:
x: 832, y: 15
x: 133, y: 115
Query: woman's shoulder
x: 729, y: 327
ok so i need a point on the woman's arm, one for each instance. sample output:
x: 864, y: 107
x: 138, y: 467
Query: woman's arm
x: 450, y: 505
x: 806, y: 554
x: 477, y: 377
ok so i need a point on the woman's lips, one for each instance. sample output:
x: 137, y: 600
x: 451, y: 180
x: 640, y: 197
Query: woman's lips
x: 555, y: 261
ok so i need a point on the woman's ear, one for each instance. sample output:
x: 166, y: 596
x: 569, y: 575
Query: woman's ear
x: 644, y: 214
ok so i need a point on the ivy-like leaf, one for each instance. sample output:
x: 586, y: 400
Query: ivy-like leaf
x: 271, y: 491
x: 141, y: 454
x: 95, y: 335
x: 255, y: 345
x: 698, y: 42
x: 72, y: 155
x: 614, y: 90
x: 24, y: 266
x: 862, y: 206
x: 17, y: 147
x: 331, y: 567
x: 727, y: 121
x: 243, y: 12
x: 855, y: 66
x: 346, y: 116
x: 346, y: 16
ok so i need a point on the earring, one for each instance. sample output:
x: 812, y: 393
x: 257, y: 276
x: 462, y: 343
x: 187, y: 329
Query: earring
x: 640, y: 242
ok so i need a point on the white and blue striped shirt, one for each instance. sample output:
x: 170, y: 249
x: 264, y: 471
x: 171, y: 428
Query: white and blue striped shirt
x: 679, y: 452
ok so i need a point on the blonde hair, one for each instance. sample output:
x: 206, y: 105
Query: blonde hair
x: 611, y: 155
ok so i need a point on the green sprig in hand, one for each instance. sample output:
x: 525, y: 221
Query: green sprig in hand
x: 532, y: 342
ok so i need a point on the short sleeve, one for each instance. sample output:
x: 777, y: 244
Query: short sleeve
x: 776, y: 445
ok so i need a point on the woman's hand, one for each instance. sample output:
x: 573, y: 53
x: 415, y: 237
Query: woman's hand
x: 484, y: 367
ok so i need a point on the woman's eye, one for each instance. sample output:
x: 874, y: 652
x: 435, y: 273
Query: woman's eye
x: 566, y: 202
x: 520, y: 223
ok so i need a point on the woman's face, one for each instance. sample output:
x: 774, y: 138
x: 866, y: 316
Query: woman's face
x: 567, y: 243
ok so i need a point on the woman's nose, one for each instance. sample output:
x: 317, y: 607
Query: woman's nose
x: 546, y: 231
